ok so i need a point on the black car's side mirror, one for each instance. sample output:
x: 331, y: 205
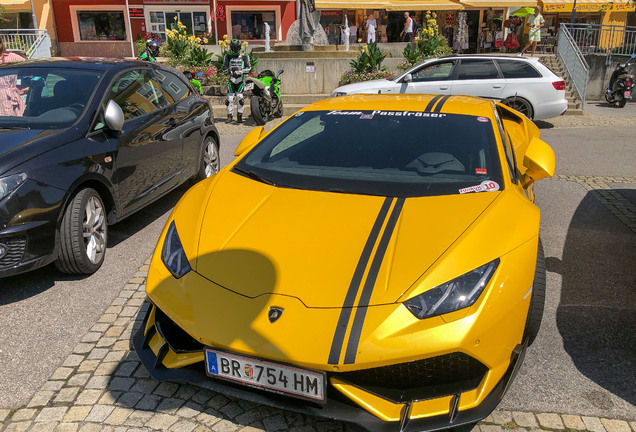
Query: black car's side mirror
x: 114, y: 116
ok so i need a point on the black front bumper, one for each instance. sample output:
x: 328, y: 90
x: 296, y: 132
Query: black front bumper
x: 334, y: 408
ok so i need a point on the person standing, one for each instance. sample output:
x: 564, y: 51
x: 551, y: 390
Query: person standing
x: 371, y: 26
x: 407, y: 31
x: 11, y: 103
x: 535, y: 22
x: 236, y: 64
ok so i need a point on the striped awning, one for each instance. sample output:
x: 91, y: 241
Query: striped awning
x: 498, y: 3
x: 397, y: 5
x: 349, y: 4
x: 588, y: 6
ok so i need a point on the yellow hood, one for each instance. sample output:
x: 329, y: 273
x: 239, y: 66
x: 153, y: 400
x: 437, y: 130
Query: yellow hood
x: 258, y: 239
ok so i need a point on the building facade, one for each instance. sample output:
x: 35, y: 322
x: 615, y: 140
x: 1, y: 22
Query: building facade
x: 109, y: 28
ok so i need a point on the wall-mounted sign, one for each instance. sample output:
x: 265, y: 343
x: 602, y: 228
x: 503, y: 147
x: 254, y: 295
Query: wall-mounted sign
x: 136, y: 12
x: 310, y: 67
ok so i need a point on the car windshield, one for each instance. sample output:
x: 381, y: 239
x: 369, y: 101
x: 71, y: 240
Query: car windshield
x: 43, y: 98
x: 387, y: 153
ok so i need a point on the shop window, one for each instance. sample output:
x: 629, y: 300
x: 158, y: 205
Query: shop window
x: 196, y: 22
x: 251, y: 24
x: 101, y: 25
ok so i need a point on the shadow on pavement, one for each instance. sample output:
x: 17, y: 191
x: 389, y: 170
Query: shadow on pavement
x: 542, y: 124
x: 596, y: 312
x: 23, y: 286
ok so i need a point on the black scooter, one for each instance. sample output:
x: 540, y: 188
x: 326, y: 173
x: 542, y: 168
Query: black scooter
x: 621, y: 84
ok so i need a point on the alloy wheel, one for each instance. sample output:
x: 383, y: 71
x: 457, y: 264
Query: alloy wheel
x: 211, y: 159
x: 94, y: 230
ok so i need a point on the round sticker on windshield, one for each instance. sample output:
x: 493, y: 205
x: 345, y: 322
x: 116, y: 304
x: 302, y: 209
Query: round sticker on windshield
x: 483, y: 119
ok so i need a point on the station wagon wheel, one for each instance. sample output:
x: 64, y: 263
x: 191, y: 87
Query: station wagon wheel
x: 210, y: 159
x: 521, y: 105
x: 83, y: 234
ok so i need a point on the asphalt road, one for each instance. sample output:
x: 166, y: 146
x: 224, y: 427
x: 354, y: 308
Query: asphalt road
x: 582, y: 361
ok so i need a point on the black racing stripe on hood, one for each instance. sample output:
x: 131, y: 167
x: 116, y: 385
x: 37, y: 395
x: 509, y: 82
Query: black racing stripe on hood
x: 365, y: 297
x: 345, y: 314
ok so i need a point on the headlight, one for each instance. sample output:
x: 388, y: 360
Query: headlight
x: 173, y: 255
x: 11, y: 183
x: 336, y: 94
x: 457, y: 294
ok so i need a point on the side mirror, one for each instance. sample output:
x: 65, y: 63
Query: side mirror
x: 280, y: 71
x: 539, y: 160
x: 250, y: 139
x: 114, y: 116
x: 407, y: 78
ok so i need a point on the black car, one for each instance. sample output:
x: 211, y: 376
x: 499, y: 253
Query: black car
x: 86, y: 143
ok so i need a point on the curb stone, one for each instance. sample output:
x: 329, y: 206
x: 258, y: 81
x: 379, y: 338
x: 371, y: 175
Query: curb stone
x: 107, y: 389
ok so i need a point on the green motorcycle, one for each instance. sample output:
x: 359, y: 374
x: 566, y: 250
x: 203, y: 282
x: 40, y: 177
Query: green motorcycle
x: 266, y: 100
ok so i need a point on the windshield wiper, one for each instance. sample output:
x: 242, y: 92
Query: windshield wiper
x: 254, y: 176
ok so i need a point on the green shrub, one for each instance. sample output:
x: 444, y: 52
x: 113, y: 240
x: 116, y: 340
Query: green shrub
x: 369, y: 59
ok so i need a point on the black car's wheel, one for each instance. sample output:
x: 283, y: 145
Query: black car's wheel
x: 521, y: 105
x: 537, y: 301
x: 83, y: 234
x: 210, y: 160
x: 259, y: 110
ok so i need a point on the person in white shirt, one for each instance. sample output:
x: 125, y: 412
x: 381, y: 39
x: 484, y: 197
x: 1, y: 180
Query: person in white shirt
x: 407, y: 31
x: 535, y: 22
x: 371, y: 26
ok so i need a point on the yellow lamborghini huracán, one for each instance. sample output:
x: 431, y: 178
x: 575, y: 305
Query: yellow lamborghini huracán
x: 374, y: 259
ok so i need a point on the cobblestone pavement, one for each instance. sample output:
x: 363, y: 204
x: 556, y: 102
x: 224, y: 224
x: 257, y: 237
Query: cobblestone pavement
x: 603, y: 189
x: 103, y: 387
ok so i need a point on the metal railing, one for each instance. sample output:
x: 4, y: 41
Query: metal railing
x: 611, y: 40
x: 575, y: 64
x: 34, y: 43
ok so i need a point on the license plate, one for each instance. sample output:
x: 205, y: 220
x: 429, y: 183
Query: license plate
x: 249, y: 86
x: 275, y: 377
x: 628, y: 93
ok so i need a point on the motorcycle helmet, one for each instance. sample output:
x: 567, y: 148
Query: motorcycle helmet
x: 235, y: 46
x: 153, y: 47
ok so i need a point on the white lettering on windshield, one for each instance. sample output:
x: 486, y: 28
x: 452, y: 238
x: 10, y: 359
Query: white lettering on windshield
x: 387, y: 113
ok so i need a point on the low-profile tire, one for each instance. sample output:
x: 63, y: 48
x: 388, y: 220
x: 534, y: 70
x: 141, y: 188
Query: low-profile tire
x: 83, y: 234
x: 210, y: 160
x: 537, y: 300
x: 259, y: 113
x: 521, y: 105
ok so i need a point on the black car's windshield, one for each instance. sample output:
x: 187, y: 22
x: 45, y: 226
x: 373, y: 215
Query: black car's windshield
x: 388, y: 153
x: 43, y: 98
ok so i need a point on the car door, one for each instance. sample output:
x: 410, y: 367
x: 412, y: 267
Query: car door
x: 149, y: 150
x: 431, y: 78
x: 184, y: 110
x: 478, y: 77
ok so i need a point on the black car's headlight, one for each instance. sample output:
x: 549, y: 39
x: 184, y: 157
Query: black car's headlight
x: 11, y: 183
x: 173, y: 255
x: 454, y: 295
